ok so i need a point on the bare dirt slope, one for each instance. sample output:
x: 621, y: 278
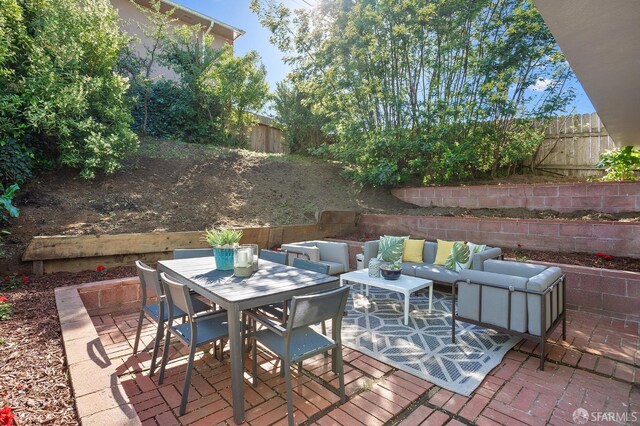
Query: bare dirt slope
x: 170, y: 186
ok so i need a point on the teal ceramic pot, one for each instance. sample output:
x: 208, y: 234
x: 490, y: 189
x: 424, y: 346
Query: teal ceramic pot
x: 224, y: 258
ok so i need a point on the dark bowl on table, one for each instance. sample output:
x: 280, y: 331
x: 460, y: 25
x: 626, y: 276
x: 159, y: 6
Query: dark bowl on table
x: 390, y: 274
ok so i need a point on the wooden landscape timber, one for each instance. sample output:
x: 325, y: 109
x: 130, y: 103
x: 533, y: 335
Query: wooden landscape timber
x: 61, y: 253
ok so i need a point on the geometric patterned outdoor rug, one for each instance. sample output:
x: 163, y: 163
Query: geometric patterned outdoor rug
x: 374, y: 326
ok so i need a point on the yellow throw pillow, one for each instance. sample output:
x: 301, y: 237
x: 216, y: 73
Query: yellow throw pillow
x: 412, y: 251
x: 444, y: 250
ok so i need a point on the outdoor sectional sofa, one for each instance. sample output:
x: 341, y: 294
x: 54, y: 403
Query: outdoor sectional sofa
x: 427, y: 269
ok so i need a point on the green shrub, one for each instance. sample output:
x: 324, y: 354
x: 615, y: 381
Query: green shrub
x: 15, y: 162
x: 620, y: 164
x: 60, y: 100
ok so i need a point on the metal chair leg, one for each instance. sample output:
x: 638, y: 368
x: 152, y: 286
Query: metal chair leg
x: 287, y: 379
x: 254, y: 365
x: 340, y: 368
x: 138, y: 331
x: 165, y: 355
x: 324, y: 331
x: 187, y: 379
x: 156, y: 347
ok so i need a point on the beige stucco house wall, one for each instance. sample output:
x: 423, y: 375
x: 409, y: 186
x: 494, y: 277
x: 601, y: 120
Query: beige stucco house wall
x: 132, y: 18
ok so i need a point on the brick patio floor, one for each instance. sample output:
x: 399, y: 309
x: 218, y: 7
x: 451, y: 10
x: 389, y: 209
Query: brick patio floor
x: 598, y: 369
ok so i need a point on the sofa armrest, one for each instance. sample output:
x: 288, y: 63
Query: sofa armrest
x: 489, y: 253
x: 333, y: 251
x: 370, y: 250
x: 312, y: 252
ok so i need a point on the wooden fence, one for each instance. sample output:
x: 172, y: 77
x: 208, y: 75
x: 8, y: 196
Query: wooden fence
x: 572, y: 145
x: 265, y: 137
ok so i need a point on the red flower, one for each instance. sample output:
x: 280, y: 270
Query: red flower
x: 25, y: 279
x: 607, y: 257
x: 7, y: 278
x: 6, y: 417
x: 600, y: 254
x: 3, y: 299
x: 100, y: 268
x: 519, y: 245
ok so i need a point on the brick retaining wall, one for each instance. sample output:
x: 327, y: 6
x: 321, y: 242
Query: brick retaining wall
x: 610, y: 197
x: 603, y: 291
x: 120, y: 295
x: 614, y: 238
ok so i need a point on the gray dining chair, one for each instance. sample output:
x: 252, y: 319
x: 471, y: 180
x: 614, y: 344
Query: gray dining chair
x: 274, y: 256
x: 278, y: 309
x: 201, y: 328
x: 191, y: 253
x: 157, y: 312
x: 297, y: 341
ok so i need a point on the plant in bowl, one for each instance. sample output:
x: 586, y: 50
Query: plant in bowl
x: 391, y: 271
x: 223, y: 241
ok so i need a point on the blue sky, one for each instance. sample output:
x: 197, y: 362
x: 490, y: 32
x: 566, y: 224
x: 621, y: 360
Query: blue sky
x: 238, y: 14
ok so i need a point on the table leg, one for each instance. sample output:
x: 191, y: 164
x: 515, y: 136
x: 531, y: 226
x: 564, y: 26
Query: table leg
x: 406, y: 308
x: 430, y: 297
x: 366, y: 286
x: 237, y: 366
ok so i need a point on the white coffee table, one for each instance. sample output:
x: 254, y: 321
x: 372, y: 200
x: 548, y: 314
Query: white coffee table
x: 405, y: 284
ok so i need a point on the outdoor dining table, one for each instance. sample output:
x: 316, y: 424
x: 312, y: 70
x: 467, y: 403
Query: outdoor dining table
x: 272, y: 283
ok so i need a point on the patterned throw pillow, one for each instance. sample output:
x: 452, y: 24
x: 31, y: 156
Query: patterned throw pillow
x: 460, y: 257
x: 390, y: 249
x: 474, y: 248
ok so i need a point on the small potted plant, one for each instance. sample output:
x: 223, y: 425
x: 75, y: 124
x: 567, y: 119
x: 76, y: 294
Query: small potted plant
x: 391, y: 271
x: 223, y: 242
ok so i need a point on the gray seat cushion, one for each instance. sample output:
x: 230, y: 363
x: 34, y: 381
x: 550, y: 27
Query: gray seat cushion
x: 409, y: 268
x: 334, y: 267
x: 519, y: 269
x: 436, y: 273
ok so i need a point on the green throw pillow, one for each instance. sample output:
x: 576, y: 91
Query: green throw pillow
x: 475, y: 248
x: 390, y: 249
x: 459, y: 257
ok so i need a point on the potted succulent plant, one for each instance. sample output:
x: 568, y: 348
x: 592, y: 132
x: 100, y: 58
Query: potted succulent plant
x: 223, y: 241
x: 391, y: 270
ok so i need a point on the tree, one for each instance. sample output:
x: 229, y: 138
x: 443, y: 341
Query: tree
x: 302, y: 128
x: 217, y: 89
x: 431, y: 89
x: 240, y: 86
x: 157, y: 34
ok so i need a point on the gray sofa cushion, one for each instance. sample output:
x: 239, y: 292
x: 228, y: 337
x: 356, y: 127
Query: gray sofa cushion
x: 495, y: 301
x: 520, y: 269
x: 409, y: 268
x: 429, y: 252
x: 540, y: 282
x: 436, y: 273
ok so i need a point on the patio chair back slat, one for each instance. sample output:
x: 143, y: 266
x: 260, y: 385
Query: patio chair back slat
x: 315, y: 308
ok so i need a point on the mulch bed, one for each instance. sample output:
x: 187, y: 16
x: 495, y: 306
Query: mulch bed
x: 581, y: 259
x: 34, y: 382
